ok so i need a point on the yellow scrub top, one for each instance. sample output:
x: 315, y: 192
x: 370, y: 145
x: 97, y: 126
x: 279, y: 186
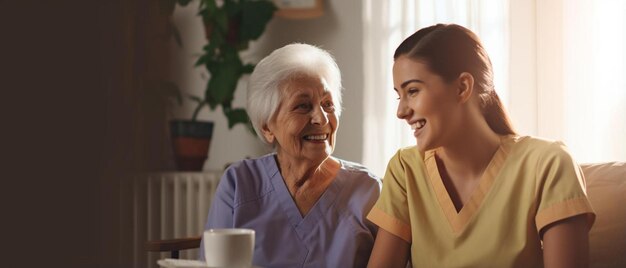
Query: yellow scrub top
x: 528, y: 184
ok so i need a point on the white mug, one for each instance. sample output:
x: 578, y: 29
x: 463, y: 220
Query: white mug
x: 229, y: 247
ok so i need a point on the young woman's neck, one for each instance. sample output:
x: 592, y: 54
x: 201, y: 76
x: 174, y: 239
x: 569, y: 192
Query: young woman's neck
x: 470, y: 151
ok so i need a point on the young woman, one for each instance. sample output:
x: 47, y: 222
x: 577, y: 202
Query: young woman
x: 472, y: 193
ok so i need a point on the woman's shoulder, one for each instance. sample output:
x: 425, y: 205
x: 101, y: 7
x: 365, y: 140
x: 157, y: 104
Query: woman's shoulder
x: 357, y: 171
x: 250, y: 178
x: 361, y: 188
x: 251, y: 167
x: 410, y: 155
x: 542, y: 151
x: 356, y: 168
x: 534, y: 145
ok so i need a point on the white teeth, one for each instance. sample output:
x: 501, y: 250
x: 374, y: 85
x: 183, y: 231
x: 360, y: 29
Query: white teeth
x: 316, y: 137
x: 419, y: 124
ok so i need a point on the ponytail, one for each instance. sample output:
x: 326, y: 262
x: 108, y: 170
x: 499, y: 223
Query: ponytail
x: 495, y: 114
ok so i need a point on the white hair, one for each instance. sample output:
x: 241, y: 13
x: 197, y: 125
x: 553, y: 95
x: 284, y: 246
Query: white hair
x: 290, y: 61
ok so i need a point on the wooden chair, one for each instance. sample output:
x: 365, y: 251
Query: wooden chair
x: 174, y: 246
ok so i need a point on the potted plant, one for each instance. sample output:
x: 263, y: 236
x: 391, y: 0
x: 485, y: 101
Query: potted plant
x: 229, y: 27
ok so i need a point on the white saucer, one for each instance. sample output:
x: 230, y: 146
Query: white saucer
x: 177, y: 263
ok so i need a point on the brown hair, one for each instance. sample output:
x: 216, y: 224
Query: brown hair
x: 449, y: 50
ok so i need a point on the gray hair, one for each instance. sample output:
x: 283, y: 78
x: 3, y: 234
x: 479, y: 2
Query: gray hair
x: 290, y: 61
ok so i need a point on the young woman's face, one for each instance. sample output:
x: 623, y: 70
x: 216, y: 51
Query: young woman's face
x: 305, y: 122
x: 426, y: 102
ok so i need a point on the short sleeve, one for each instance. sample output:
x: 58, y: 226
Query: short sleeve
x: 391, y: 211
x: 561, y: 189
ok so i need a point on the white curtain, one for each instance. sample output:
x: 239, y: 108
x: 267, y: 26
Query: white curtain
x: 568, y: 62
x: 560, y: 68
x: 594, y: 83
x: 386, y: 24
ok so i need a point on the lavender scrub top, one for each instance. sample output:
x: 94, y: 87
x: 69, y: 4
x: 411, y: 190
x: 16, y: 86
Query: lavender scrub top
x: 335, y: 233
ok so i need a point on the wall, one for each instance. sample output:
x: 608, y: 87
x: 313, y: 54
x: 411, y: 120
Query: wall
x: 54, y: 82
x: 339, y: 31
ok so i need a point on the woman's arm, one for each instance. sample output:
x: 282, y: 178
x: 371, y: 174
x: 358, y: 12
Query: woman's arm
x: 566, y: 243
x: 389, y: 251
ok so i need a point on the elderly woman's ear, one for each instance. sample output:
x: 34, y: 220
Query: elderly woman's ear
x: 269, y: 136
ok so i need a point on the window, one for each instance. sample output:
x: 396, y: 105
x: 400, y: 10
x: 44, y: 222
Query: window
x: 559, y: 68
x: 386, y: 24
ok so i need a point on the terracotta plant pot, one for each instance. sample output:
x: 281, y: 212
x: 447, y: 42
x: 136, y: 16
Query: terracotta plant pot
x: 191, y: 141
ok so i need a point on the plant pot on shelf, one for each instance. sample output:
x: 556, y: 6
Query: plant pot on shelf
x: 191, y: 141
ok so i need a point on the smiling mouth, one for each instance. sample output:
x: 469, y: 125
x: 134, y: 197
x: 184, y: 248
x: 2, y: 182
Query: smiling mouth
x: 419, y: 124
x: 319, y: 137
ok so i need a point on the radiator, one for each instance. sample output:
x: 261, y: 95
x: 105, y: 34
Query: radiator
x: 165, y: 206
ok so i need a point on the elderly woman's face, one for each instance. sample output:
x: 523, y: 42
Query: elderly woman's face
x: 305, y: 123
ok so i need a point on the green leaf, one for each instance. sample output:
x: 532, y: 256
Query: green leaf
x: 210, y: 100
x: 232, y: 8
x: 255, y: 15
x: 248, y: 68
x: 215, y: 55
x: 183, y: 2
x: 201, y: 60
x: 221, y: 19
x: 224, y: 81
x: 207, y: 11
x: 217, y: 40
x: 211, y: 48
x: 206, y: 16
x: 209, y: 5
x: 237, y: 116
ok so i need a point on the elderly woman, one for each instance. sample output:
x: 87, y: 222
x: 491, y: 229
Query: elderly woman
x: 307, y: 208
